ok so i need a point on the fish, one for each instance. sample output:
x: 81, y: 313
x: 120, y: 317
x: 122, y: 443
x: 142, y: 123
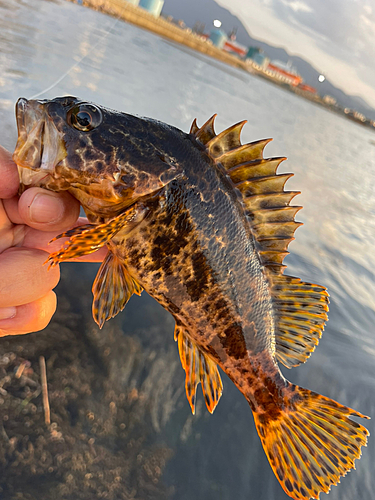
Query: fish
x: 202, y: 223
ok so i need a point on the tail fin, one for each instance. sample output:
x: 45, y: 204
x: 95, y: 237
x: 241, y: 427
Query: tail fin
x: 311, y: 443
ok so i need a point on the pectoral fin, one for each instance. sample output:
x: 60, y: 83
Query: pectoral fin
x: 112, y: 288
x: 199, y: 368
x: 89, y: 238
x: 113, y: 285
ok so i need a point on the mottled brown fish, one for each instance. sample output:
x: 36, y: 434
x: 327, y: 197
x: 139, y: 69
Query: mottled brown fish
x: 202, y: 223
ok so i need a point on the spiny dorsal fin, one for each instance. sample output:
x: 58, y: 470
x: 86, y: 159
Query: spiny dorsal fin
x: 199, y: 368
x: 300, y: 308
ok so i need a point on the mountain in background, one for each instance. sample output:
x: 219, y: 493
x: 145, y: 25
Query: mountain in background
x: 205, y: 11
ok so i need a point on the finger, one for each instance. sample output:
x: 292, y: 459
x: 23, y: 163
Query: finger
x: 24, y: 278
x: 8, y: 174
x: 48, y: 211
x: 31, y: 317
x: 10, y: 234
x: 11, y: 209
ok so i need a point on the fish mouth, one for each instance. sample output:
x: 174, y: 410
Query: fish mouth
x: 39, y: 146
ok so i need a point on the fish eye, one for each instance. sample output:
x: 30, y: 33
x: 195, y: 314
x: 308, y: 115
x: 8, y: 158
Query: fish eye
x: 84, y: 117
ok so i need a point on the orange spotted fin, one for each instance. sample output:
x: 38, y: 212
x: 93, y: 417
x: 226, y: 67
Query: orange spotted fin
x: 300, y: 309
x: 311, y: 443
x: 199, y: 368
x: 112, y: 288
x: 88, y: 238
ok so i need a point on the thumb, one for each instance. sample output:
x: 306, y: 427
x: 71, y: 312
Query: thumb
x: 48, y: 211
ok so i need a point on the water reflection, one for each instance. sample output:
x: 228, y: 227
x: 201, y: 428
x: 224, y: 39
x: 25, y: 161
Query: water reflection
x: 148, y: 438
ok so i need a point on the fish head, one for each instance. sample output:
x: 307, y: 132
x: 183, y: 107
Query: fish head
x: 106, y: 159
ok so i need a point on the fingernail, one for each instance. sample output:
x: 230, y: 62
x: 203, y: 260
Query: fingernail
x: 46, y: 208
x: 7, y: 312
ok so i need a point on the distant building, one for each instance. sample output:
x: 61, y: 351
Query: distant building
x: 258, y: 57
x: 218, y: 38
x: 252, y: 51
x: 233, y: 34
x: 328, y: 99
x: 152, y: 6
x: 287, y: 67
x: 261, y: 60
x: 235, y: 48
x: 284, y: 73
x: 198, y: 28
x: 359, y: 116
x: 356, y: 115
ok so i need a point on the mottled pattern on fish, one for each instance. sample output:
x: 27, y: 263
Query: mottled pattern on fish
x: 202, y: 223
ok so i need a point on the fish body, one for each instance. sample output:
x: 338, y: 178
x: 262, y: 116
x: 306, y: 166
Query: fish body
x: 202, y: 223
x: 200, y: 273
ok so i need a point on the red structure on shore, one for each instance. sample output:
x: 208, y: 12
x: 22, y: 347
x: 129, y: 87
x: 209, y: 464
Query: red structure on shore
x: 236, y: 48
x: 307, y: 88
x: 282, y: 74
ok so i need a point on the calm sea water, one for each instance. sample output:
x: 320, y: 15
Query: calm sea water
x: 125, y: 68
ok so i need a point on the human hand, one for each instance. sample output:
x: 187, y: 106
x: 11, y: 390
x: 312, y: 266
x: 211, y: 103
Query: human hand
x: 27, y: 224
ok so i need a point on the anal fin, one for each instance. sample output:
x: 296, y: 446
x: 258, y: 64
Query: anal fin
x: 199, y: 368
x: 112, y: 288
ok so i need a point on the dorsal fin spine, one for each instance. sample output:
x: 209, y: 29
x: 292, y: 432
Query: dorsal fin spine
x: 227, y: 140
x: 244, y: 153
x: 270, y: 200
x: 254, y: 169
x: 194, y: 127
x: 207, y: 131
x: 263, y: 185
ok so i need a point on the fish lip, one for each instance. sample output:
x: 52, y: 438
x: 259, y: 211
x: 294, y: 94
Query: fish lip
x: 20, y: 113
x: 39, y: 147
x: 30, y: 125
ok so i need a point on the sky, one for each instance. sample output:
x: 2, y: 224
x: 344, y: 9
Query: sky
x: 336, y: 36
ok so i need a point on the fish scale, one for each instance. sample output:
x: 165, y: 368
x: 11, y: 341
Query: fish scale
x: 202, y: 223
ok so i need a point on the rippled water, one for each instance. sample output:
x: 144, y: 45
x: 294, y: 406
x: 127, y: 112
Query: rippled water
x: 123, y: 67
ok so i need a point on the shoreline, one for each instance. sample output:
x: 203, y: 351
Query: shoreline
x: 141, y: 18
